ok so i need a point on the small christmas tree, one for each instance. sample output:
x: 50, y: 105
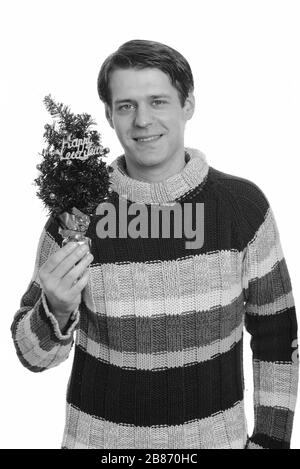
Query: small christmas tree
x: 73, y: 178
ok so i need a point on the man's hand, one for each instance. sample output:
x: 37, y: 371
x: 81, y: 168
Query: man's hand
x: 63, y: 277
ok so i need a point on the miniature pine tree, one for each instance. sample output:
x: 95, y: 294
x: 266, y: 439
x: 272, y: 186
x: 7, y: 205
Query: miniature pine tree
x: 65, y: 182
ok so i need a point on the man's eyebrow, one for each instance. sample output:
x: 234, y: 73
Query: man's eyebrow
x: 152, y: 96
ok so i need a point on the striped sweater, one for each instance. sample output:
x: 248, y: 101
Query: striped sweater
x: 158, y: 334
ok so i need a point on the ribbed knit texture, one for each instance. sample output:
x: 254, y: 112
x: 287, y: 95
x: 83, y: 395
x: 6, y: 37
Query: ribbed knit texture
x: 159, y: 332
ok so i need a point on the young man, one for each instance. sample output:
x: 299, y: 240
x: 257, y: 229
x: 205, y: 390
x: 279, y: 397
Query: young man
x: 159, y: 322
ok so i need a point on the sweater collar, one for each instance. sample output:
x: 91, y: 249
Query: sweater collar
x: 193, y: 173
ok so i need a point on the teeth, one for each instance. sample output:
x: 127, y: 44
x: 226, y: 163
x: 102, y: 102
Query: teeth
x: 147, y: 139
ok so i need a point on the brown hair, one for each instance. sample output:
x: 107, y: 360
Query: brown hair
x: 139, y: 54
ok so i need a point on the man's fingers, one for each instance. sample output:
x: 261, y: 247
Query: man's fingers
x: 77, y: 271
x: 58, y: 257
x: 80, y: 284
x: 69, y: 261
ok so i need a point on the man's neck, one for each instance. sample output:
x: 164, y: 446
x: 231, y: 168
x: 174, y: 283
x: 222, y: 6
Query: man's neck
x: 154, y: 173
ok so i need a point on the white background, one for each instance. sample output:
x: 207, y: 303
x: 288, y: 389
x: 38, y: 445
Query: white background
x: 245, y: 60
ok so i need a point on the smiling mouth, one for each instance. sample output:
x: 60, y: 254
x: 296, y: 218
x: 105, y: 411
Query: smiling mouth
x: 148, y: 139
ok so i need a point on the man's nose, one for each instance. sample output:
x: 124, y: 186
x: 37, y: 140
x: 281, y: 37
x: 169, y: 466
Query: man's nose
x: 143, y: 116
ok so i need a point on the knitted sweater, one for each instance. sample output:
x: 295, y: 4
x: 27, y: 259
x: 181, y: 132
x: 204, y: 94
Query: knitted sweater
x: 158, y: 334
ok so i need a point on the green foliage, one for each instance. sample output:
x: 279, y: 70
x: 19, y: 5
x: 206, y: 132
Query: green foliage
x: 67, y: 183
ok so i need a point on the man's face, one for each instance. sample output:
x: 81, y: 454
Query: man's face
x: 146, y: 104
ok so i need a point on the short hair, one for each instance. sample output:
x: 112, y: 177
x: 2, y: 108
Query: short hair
x: 140, y: 54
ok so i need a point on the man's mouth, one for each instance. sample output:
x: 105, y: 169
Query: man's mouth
x: 151, y: 138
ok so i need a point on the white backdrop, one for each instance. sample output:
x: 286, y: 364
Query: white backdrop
x: 245, y: 60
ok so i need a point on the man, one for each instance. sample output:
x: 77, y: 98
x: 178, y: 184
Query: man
x: 159, y: 325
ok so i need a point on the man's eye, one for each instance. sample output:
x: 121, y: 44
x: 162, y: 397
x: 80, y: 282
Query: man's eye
x: 159, y: 101
x: 124, y: 107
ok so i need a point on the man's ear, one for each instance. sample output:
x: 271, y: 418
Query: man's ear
x: 108, y: 116
x: 189, y: 106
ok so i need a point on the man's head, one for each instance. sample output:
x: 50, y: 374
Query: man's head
x: 147, y: 89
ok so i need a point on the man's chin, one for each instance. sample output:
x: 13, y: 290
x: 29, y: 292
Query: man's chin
x: 150, y: 159
x: 146, y: 158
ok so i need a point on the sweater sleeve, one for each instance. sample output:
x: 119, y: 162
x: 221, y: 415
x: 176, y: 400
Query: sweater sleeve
x: 38, y: 340
x: 270, y: 318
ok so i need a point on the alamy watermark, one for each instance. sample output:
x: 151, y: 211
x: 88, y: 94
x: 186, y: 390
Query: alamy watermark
x: 188, y: 219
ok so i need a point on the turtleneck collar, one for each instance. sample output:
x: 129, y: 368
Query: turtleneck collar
x: 193, y: 173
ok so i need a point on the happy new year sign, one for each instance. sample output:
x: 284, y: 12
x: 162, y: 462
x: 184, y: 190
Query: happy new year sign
x: 81, y: 148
